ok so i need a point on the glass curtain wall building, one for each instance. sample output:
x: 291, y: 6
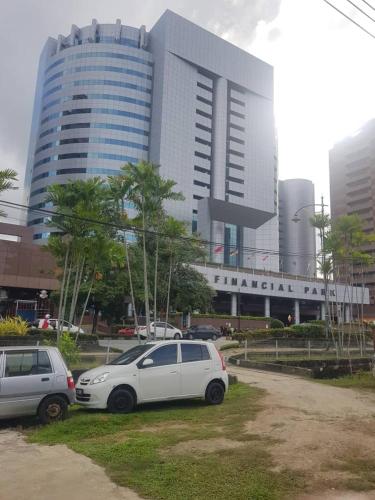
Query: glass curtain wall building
x: 92, y: 109
x: 178, y: 96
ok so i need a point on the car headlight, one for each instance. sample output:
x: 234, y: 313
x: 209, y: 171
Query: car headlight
x: 100, y: 378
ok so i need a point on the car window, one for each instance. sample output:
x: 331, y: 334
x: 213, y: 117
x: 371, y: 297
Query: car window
x: 160, y: 325
x: 19, y: 364
x: 194, y: 352
x: 131, y: 355
x: 170, y: 326
x: 165, y: 355
x: 44, y: 363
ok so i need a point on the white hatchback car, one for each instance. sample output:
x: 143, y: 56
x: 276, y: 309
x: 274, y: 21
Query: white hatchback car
x: 155, y: 371
x: 158, y: 330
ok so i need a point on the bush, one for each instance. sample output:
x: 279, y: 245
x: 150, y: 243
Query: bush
x: 230, y: 345
x: 13, y: 326
x: 52, y: 334
x: 276, y: 323
x: 317, y: 322
x: 67, y: 347
x: 310, y: 330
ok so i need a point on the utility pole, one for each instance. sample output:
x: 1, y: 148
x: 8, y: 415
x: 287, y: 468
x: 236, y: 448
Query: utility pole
x: 324, y: 267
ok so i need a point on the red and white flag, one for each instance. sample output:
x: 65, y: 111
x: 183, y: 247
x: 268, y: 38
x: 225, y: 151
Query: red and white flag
x: 218, y: 248
x: 265, y: 258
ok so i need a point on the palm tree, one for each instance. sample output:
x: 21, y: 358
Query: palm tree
x: 147, y: 190
x: 7, y: 177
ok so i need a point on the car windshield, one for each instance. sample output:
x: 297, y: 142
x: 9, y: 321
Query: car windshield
x: 131, y: 355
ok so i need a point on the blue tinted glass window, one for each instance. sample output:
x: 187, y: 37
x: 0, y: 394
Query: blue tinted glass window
x: 107, y: 55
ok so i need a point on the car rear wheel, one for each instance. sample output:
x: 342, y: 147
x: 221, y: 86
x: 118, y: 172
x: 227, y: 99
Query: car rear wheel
x: 177, y: 336
x: 190, y: 336
x: 214, y: 336
x: 121, y: 401
x: 214, y: 393
x: 53, y: 409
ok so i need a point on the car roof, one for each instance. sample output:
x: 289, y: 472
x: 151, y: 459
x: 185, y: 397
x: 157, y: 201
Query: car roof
x: 26, y: 348
x: 166, y: 342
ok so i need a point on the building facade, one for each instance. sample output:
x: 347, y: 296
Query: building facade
x: 92, y: 109
x: 352, y: 186
x: 178, y: 96
x: 297, y: 239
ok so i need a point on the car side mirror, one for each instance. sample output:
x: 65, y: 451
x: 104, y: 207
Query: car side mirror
x: 147, y: 362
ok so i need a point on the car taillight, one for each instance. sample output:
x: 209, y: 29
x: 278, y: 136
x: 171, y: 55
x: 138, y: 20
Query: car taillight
x: 70, y: 382
x: 223, y: 366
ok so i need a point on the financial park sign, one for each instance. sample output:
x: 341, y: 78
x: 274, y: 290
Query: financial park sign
x: 277, y: 285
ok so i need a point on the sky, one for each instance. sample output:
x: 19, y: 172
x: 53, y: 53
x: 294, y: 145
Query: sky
x: 324, y: 67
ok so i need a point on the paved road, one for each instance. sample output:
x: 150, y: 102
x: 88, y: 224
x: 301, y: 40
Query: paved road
x: 126, y: 344
x: 35, y: 472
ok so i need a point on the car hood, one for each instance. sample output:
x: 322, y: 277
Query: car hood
x: 112, y: 369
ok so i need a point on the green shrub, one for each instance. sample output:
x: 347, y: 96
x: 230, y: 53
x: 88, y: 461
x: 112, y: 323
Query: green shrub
x: 67, y: 347
x: 276, y: 323
x: 309, y: 330
x: 52, y: 334
x: 230, y: 345
x: 13, y: 326
x: 317, y: 322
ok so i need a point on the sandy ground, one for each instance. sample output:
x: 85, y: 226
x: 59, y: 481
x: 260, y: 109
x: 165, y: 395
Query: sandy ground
x: 316, y: 428
x: 35, y: 472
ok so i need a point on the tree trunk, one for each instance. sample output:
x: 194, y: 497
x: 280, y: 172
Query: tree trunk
x: 85, y: 304
x: 156, y: 278
x: 61, y: 324
x: 127, y: 258
x: 168, y: 296
x: 62, y: 291
x: 77, y: 287
x: 145, y: 280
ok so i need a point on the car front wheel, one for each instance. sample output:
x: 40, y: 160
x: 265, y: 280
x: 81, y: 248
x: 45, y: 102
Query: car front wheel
x: 121, y: 401
x: 214, y: 336
x: 53, y: 409
x: 190, y: 336
x: 177, y: 336
x: 214, y: 393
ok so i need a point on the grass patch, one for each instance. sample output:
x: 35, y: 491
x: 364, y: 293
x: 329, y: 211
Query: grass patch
x: 135, y: 449
x: 363, y: 471
x: 360, y: 380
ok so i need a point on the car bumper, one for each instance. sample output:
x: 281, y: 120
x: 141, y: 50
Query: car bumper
x: 91, y: 396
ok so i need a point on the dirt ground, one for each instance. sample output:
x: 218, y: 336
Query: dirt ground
x: 316, y: 429
x: 35, y: 472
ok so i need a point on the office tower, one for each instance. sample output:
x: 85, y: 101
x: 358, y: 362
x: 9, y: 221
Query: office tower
x: 92, y: 109
x: 352, y: 186
x: 178, y: 96
x: 297, y: 238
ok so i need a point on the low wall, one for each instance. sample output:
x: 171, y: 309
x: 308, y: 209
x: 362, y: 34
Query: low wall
x: 250, y: 324
x: 308, y: 368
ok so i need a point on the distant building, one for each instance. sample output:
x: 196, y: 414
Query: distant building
x: 26, y: 270
x: 352, y: 185
x: 297, y: 239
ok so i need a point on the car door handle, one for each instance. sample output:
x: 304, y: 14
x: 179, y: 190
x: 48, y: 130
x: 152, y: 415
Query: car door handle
x: 175, y: 371
x: 45, y: 379
x: 207, y: 369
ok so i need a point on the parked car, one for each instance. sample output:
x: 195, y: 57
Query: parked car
x: 159, y: 329
x: 67, y: 326
x: 155, y: 371
x: 203, y: 332
x: 34, y: 381
x: 127, y: 331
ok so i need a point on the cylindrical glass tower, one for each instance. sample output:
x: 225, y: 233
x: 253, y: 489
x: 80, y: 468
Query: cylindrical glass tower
x: 92, y: 109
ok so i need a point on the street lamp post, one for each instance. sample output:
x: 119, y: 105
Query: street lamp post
x: 322, y: 249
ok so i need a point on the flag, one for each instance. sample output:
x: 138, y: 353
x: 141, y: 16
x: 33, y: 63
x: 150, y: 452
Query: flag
x: 218, y: 249
x: 265, y: 258
x: 233, y: 252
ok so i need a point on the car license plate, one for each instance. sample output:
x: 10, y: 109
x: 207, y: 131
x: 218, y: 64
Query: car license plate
x: 79, y: 392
